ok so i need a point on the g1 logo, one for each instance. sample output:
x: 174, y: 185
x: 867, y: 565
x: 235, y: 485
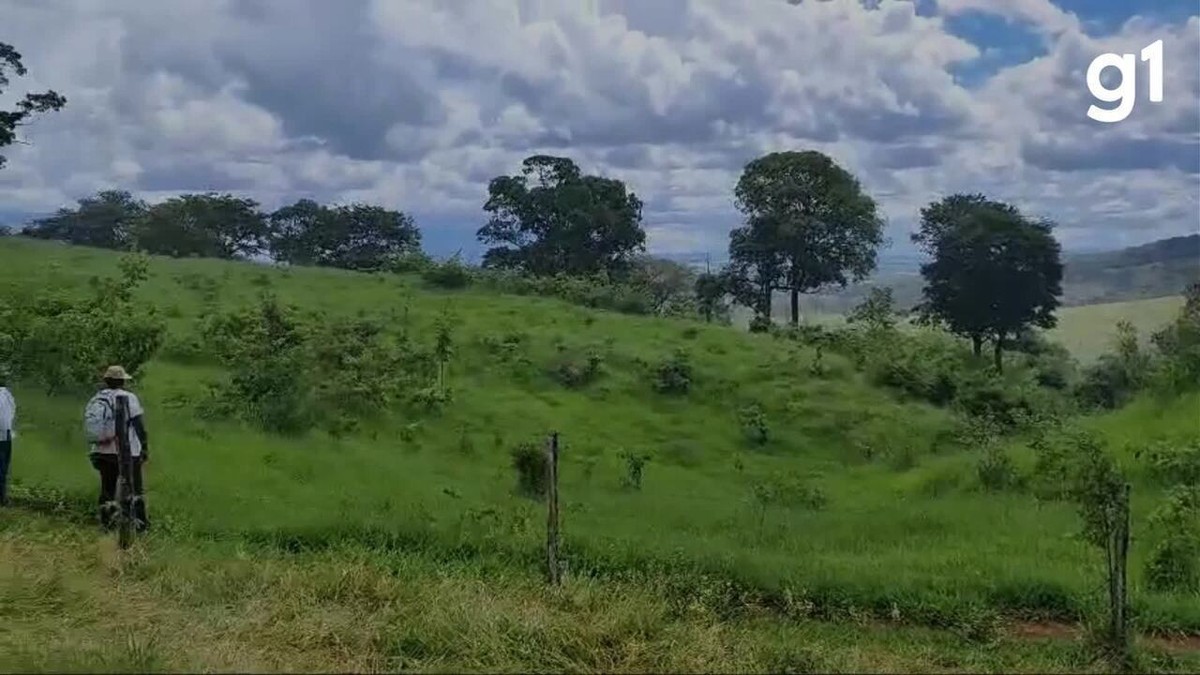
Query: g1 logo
x: 1126, y: 90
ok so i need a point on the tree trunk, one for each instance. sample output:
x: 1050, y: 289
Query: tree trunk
x: 795, y: 307
x: 998, y: 351
x: 977, y: 345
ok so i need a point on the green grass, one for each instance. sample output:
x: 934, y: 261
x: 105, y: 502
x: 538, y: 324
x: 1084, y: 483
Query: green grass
x: 907, y: 535
x: 1089, y: 331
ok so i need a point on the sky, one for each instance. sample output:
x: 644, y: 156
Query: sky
x: 416, y: 105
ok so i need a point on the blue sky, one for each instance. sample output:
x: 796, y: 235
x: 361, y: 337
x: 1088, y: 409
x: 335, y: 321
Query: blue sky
x: 415, y: 105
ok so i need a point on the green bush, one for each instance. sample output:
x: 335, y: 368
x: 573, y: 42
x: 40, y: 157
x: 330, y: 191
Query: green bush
x: 996, y: 470
x: 531, y: 464
x: 754, y: 424
x: 635, y: 466
x: 451, y: 274
x: 674, y: 375
x: 63, y: 344
x: 1174, y: 563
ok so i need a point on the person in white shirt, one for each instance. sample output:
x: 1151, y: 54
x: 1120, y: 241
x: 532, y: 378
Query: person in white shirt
x: 8, y: 414
x: 104, y: 455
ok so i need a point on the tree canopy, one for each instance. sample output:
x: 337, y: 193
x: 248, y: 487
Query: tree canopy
x: 202, y: 225
x: 993, y: 273
x: 355, y: 237
x: 813, y: 217
x: 31, y: 104
x: 105, y: 220
x: 553, y: 219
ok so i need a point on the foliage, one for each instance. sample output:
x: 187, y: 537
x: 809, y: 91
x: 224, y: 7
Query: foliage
x: 1173, y: 463
x: 289, y: 372
x: 105, y: 220
x: 996, y: 470
x: 575, y: 371
x: 666, y: 283
x: 450, y: 274
x: 674, y: 375
x: 813, y: 218
x: 710, y: 293
x: 531, y: 464
x: 202, y: 225
x: 29, y: 105
x: 1174, y: 562
x: 553, y: 219
x: 1179, y: 345
x: 877, y: 312
x: 598, y: 291
x: 754, y: 424
x: 994, y: 272
x: 635, y: 466
x: 64, y: 344
x: 359, y: 237
x: 753, y: 273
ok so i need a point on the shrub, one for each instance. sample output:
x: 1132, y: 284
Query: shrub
x: 531, y: 464
x: 996, y: 470
x: 760, y: 324
x: 674, y: 375
x: 451, y: 274
x: 1174, y: 563
x: 574, y: 372
x: 635, y: 465
x: 754, y: 424
x: 63, y: 344
x: 1171, y: 465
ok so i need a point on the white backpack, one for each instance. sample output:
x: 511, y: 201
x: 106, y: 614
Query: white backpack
x: 100, y: 420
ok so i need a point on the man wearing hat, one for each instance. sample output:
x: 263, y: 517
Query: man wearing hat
x: 103, y: 454
x: 8, y: 411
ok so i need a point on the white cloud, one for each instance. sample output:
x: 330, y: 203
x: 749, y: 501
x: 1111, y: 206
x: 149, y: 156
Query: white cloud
x: 416, y: 105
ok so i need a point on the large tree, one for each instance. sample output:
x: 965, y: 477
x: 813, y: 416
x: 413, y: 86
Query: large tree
x: 10, y: 60
x: 202, y: 225
x: 355, y: 237
x: 994, y: 272
x: 553, y: 219
x: 754, y: 269
x: 105, y: 220
x: 815, y: 216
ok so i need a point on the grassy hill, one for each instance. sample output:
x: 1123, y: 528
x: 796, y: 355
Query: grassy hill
x: 1159, y: 269
x: 403, y: 545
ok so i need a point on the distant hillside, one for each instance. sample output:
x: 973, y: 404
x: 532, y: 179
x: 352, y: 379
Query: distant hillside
x: 1155, y: 270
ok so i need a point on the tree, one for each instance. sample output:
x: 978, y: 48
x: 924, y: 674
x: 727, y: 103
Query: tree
x: 104, y: 221
x: 10, y: 60
x: 877, y: 312
x: 754, y: 269
x: 666, y: 282
x: 815, y: 216
x: 994, y: 272
x: 202, y: 225
x: 711, y: 290
x: 355, y: 237
x: 552, y: 219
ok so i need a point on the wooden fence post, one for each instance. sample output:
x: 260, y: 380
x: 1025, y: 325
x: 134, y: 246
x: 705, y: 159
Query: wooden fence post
x: 552, y: 566
x: 1118, y: 590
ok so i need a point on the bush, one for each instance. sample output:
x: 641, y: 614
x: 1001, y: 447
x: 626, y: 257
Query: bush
x: 575, y: 371
x: 531, y: 464
x: 451, y: 274
x: 996, y: 470
x: 674, y: 375
x: 754, y: 424
x: 64, y: 344
x: 1174, y: 564
x: 635, y: 465
x: 290, y: 372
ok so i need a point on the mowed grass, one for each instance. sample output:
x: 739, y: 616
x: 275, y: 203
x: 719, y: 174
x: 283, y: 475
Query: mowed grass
x: 1090, y: 330
x: 906, y: 534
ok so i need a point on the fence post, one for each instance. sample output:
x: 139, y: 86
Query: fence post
x: 1118, y: 591
x: 552, y: 566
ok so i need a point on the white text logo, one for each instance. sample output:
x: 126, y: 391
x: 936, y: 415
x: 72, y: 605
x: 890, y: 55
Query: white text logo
x: 1125, y: 92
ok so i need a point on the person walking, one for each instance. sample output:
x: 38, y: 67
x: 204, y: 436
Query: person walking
x: 8, y: 414
x: 100, y: 423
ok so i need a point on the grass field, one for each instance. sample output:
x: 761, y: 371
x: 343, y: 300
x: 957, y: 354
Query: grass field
x: 376, y: 544
x: 1089, y: 331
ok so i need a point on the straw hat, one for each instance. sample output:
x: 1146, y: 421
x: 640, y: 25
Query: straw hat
x: 117, y: 373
